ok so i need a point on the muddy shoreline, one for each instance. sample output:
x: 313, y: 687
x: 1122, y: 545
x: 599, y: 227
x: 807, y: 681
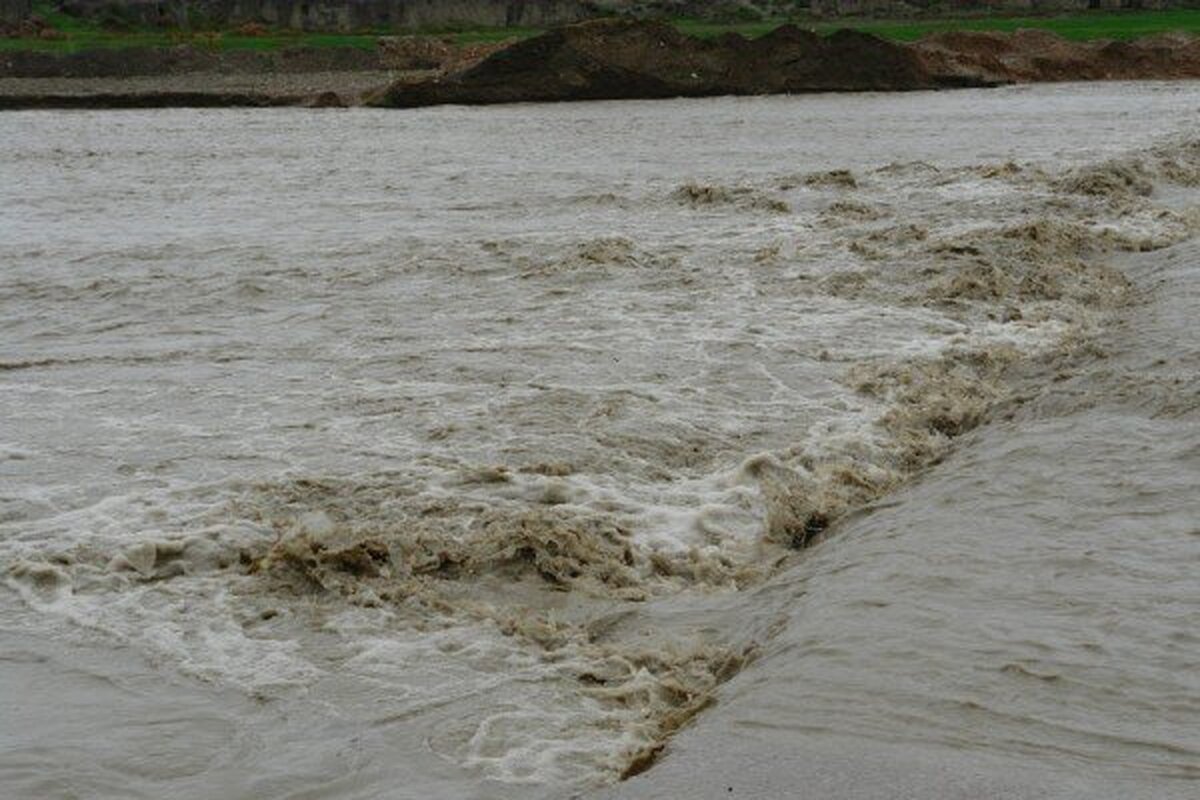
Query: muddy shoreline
x: 597, y: 60
x: 194, y: 90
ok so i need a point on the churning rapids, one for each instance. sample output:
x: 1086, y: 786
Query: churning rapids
x: 828, y: 446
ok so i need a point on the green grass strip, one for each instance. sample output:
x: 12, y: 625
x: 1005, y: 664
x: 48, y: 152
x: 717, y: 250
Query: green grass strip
x: 81, y: 34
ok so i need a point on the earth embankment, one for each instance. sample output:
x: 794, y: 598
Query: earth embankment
x: 1029, y: 56
x: 624, y: 59
x: 608, y: 59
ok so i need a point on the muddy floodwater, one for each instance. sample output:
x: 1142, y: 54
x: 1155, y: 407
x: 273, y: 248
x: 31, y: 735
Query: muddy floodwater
x: 826, y: 446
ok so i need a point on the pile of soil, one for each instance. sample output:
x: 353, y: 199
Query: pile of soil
x: 612, y: 59
x: 1034, y: 55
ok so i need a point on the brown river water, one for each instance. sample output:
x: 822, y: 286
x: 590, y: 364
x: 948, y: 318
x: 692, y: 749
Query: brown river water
x: 826, y: 446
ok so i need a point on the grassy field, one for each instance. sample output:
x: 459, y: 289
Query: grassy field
x: 1080, y: 25
x: 80, y: 35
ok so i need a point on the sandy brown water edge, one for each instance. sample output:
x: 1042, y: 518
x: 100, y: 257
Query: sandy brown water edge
x: 602, y: 60
x: 192, y: 90
x: 1100, y: 457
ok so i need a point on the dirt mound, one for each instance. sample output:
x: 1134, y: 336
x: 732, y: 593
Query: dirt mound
x: 1172, y: 56
x: 1036, y: 55
x: 612, y: 59
x: 616, y: 59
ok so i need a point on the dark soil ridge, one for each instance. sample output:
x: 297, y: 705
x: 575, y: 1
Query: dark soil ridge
x: 628, y: 59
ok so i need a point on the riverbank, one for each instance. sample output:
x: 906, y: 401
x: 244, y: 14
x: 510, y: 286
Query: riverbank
x: 190, y: 76
x: 624, y: 59
x: 194, y: 90
x: 598, y: 60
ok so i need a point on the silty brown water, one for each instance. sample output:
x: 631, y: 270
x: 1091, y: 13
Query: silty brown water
x: 472, y: 446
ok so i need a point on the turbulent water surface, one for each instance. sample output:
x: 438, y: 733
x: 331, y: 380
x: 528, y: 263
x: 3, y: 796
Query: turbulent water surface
x: 836, y: 444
